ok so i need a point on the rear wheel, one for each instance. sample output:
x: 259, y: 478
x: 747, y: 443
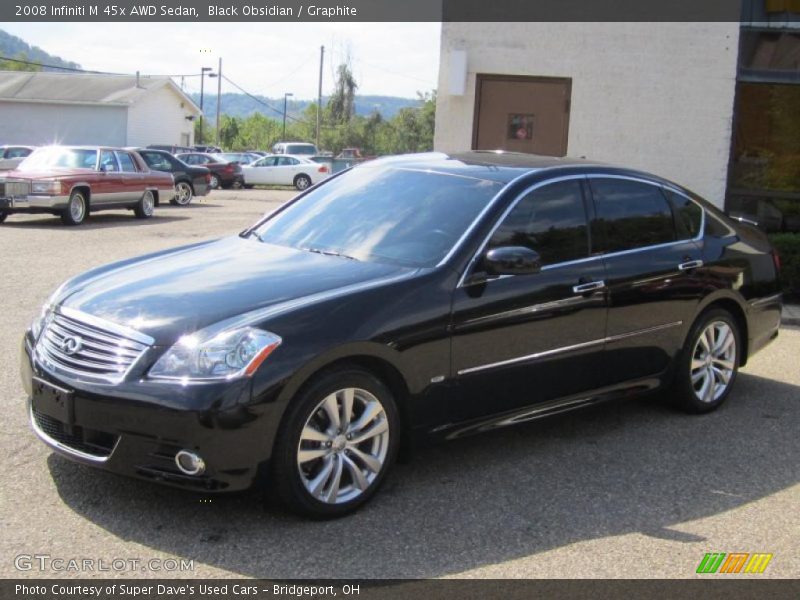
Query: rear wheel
x: 339, y: 440
x: 709, y: 363
x: 183, y: 194
x: 302, y: 182
x: 213, y: 182
x: 76, y: 210
x: 144, y: 208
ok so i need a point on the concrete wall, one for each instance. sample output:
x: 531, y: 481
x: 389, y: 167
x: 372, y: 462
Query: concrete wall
x: 41, y: 123
x: 160, y: 118
x: 653, y: 96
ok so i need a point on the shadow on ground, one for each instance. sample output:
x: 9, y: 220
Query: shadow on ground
x: 633, y: 466
x: 95, y: 221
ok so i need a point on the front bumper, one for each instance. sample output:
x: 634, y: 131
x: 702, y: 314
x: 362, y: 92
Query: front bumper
x: 33, y: 203
x: 138, y: 434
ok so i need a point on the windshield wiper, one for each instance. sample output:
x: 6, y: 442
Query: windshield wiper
x: 330, y: 253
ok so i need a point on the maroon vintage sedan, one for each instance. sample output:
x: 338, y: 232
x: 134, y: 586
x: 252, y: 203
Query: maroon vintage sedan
x: 71, y: 181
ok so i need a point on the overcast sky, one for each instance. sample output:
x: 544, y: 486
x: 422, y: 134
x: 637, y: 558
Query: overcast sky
x: 393, y: 59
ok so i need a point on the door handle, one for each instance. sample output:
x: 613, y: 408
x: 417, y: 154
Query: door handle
x: 592, y: 286
x: 691, y: 264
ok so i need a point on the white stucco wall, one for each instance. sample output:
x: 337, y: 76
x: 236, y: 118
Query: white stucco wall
x: 42, y: 123
x: 653, y: 96
x: 159, y: 117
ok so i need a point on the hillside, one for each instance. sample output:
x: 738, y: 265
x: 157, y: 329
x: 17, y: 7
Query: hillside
x: 240, y: 105
x: 12, y: 47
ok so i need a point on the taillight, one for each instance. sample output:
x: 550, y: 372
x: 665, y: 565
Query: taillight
x: 208, y: 177
x: 323, y: 169
x: 776, y: 258
x: 228, y: 168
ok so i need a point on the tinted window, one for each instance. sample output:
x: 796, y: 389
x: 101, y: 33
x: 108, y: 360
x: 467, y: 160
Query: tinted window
x: 107, y: 161
x: 688, y: 215
x: 267, y: 162
x: 550, y: 220
x: 156, y: 160
x: 286, y: 161
x: 17, y: 152
x: 126, y: 162
x: 381, y: 214
x: 631, y: 214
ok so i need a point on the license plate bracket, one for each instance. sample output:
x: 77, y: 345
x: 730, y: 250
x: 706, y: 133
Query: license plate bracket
x: 52, y: 400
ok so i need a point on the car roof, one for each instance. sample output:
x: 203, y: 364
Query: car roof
x: 491, y: 165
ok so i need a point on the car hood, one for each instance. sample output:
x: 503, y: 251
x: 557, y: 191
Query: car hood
x: 168, y: 295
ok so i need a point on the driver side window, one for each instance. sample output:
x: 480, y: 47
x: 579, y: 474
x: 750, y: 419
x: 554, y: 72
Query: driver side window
x: 550, y: 220
x: 107, y: 161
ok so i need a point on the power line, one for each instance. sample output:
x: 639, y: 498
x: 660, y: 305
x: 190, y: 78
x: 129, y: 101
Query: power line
x: 38, y: 64
x: 260, y: 101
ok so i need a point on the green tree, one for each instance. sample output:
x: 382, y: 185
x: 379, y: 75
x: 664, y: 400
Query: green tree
x: 8, y: 65
x: 342, y: 103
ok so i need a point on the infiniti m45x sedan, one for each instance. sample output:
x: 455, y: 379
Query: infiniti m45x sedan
x: 416, y: 297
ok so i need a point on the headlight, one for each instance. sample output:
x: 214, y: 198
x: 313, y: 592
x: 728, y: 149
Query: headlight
x: 226, y: 355
x: 39, y: 322
x: 46, y: 187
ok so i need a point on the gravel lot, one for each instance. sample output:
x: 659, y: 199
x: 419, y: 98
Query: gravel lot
x: 629, y: 489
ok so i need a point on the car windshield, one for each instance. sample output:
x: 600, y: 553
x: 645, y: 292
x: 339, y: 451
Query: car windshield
x: 382, y: 214
x: 300, y: 149
x: 60, y: 158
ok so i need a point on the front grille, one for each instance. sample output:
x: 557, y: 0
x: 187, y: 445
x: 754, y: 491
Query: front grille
x: 96, y: 444
x: 87, y: 349
x: 13, y: 188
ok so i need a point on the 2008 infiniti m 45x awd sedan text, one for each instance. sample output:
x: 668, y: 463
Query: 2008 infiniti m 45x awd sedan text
x: 411, y: 297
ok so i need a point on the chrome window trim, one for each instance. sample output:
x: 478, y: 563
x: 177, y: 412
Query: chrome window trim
x: 565, y: 349
x: 576, y: 261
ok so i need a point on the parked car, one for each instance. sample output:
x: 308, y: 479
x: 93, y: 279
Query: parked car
x: 223, y: 174
x: 171, y: 149
x: 258, y: 152
x: 11, y: 156
x: 428, y: 296
x: 239, y: 158
x: 72, y: 181
x: 190, y: 180
x: 206, y: 149
x: 297, y: 148
x: 284, y: 170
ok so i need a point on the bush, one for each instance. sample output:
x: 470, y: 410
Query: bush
x: 788, y: 247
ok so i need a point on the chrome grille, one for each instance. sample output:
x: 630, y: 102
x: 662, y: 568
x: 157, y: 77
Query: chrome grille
x: 86, y: 349
x: 13, y: 188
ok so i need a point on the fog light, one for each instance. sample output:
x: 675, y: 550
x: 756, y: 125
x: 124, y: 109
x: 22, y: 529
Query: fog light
x: 190, y: 463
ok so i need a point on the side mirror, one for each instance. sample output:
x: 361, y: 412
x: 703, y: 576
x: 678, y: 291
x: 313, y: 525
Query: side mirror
x: 512, y: 260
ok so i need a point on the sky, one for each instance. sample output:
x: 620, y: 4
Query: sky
x: 270, y: 59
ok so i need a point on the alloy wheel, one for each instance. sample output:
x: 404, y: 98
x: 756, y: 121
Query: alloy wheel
x: 183, y: 193
x: 713, y: 361
x: 77, y: 208
x: 343, y: 446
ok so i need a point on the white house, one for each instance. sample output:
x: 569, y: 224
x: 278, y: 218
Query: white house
x: 703, y: 104
x: 82, y: 108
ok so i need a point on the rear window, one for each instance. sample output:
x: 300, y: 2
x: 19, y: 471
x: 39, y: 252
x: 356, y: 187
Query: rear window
x: 688, y: 215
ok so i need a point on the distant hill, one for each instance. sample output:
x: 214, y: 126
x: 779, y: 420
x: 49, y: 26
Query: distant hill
x: 240, y: 105
x: 11, y: 46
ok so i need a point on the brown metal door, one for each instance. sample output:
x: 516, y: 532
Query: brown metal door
x: 522, y: 114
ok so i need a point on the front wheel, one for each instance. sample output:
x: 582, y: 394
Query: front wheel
x: 183, y: 194
x: 302, y: 182
x: 75, y: 213
x: 336, y: 445
x: 144, y: 208
x: 709, y: 363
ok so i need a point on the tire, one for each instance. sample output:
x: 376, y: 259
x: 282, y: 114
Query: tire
x: 237, y: 184
x: 213, y: 181
x: 704, y: 380
x: 77, y: 209
x: 184, y: 192
x: 3, y: 215
x: 144, y: 208
x: 309, y: 453
x: 248, y: 186
x: 302, y: 182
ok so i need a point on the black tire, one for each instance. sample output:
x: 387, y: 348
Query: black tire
x: 146, y: 205
x: 3, y: 216
x: 695, y: 396
x: 248, y: 186
x: 213, y: 181
x: 302, y: 182
x: 287, y: 480
x: 184, y: 192
x: 237, y: 184
x: 77, y: 209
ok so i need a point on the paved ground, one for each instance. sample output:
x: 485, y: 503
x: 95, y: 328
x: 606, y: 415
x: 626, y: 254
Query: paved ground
x: 630, y: 489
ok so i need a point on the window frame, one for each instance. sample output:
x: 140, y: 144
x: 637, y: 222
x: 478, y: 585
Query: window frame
x: 99, y: 161
x: 118, y: 153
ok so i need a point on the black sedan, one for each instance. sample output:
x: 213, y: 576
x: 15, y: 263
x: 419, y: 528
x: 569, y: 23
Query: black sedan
x: 409, y: 298
x: 190, y: 180
x: 224, y: 174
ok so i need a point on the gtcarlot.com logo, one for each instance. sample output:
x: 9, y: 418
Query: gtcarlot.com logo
x: 734, y: 562
x: 60, y: 564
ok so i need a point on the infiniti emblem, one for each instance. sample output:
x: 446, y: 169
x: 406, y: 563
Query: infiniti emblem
x: 71, y: 344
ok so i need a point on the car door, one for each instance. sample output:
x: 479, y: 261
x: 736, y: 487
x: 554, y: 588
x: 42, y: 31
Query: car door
x: 109, y: 188
x: 526, y: 339
x: 651, y: 274
x: 262, y: 172
x: 132, y: 180
x: 285, y: 169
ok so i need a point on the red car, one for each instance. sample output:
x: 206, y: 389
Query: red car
x: 71, y: 181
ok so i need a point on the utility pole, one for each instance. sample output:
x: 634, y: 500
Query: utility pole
x: 285, y: 96
x: 319, y: 92
x: 219, y: 95
x: 203, y: 71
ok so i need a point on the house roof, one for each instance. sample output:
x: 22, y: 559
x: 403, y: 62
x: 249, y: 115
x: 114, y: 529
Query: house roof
x: 83, y: 88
